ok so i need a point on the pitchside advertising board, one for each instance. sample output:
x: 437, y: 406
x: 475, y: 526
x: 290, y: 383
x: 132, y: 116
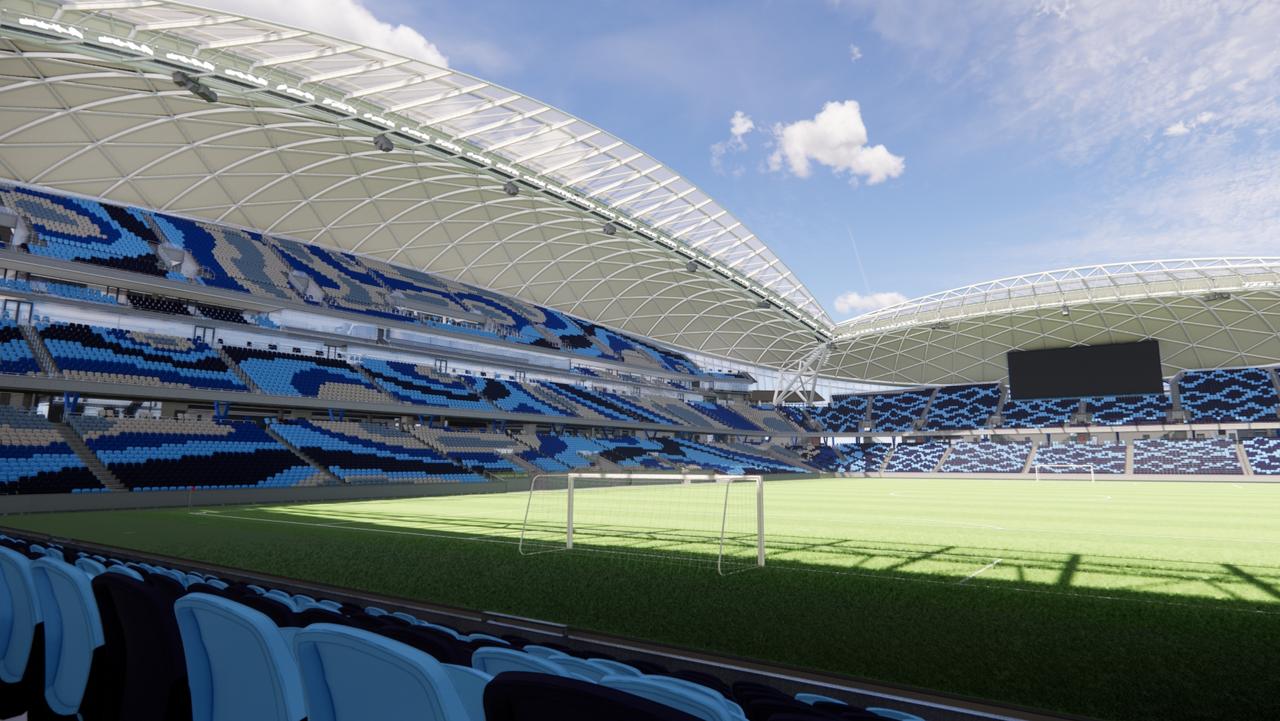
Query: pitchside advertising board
x: 1116, y: 369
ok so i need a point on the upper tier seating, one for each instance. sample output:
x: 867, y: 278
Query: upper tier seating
x: 512, y: 397
x: 1241, y: 395
x: 474, y: 449
x: 371, y: 453
x: 767, y: 418
x: 1128, y: 410
x: 167, y: 453
x: 1209, y: 456
x: 723, y: 415
x: 1103, y: 457
x: 79, y: 229
x: 915, y: 457
x: 123, y: 356
x: 986, y: 457
x: 1263, y: 454
x: 1038, y: 412
x: 844, y: 414
x: 607, y: 404
x: 863, y: 457
x: 35, y: 458
x: 898, y: 411
x: 344, y: 282
x: 229, y: 258
x: 798, y: 416
x: 289, y: 374
x: 962, y: 407
x: 15, y: 355
x: 423, y: 291
x: 420, y: 385
x: 217, y: 312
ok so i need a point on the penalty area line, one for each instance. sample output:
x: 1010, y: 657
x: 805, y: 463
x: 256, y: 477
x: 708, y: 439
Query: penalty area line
x: 336, y: 526
x: 985, y: 568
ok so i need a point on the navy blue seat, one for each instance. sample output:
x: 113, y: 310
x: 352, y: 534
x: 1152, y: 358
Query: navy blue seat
x: 494, y: 660
x: 138, y: 620
x: 352, y: 675
x: 687, y: 696
x: 238, y: 664
x: 72, y: 632
x: 518, y: 696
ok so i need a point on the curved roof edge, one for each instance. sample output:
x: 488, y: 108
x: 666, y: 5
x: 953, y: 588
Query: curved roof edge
x: 1112, y: 282
x: 419, y: 104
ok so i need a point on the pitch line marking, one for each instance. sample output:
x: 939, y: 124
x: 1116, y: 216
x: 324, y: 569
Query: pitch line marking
x: 987, y: 567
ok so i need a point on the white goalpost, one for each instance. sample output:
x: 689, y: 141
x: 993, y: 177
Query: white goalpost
x: 1055, y: 469
x: 691, y: 518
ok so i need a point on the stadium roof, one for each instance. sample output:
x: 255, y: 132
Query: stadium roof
x: 1206, y: 313
x: 89, y: 105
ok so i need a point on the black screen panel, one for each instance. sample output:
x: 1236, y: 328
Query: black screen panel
x: 1097, y: 370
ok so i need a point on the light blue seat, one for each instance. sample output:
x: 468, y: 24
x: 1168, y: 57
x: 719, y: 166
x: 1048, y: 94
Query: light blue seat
x: 686, y: 696
x: 485, y: 637
x: 90, y: 566
x: 125, y: 571
x: 812, y: 698
x: 543, y: 651
x: 581, y: 667
x: 352, y: 675
x: 614, y: 668
x: 328, y: 605
x: 493, y: 661
x: 19, y: 614
x: 469, y: 684
x: 374, y: 611
x: 282, y: 598
x: 238, y: 664
x: 72, y: 632
x: 893, y: 715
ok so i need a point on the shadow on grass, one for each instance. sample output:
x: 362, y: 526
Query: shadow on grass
x: 1139, y: 579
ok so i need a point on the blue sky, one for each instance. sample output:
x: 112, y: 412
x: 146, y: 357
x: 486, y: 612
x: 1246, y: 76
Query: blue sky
x: 955, y: 142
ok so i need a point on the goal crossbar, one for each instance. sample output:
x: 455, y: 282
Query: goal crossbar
x: 728, y: 480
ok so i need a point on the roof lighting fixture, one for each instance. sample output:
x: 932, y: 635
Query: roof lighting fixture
x: 194, y: 86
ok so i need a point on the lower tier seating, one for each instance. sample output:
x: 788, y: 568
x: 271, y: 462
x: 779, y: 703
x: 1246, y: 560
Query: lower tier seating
x: 915, y: 457
x: 512, y: 397
x: 123, y: 356
x: 420, y: 385
x: 986, y: 457
x: 35, y: 457
x: 150, y: 454
x: 558, y: 453
x: 486, y: 452
x: 820, y: 456
x: 723, y: 415
x: 1211, y: 456
x: 1263, y: 454
x: 863, y: 457
x: 1071, y: 457
x: 371, y: 453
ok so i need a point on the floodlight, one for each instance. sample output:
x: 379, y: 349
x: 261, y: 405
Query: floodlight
x: 691, y: 266
x: 194, y: 86
x: 609, y: 229
x: 510, y: 188
x: 383, y: 143
x: 1066, y: 310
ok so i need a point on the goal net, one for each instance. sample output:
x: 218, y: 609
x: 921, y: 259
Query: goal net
x: 702, y: 519
x: 1056, y: 469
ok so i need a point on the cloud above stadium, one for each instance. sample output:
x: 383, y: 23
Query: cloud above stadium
x: 739, y: 125
x: 853, y: 302
x: 837, y: 138
x: 346, y: 19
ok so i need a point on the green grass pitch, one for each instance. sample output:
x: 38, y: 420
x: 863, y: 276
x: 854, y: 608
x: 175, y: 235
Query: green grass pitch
x: 1113, y: 600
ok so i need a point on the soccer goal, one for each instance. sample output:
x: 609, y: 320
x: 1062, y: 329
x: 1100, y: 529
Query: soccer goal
x: 1054, y: 469
x: 692, y: 518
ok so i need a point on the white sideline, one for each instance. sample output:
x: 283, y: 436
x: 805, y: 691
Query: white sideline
x: 980, y: 570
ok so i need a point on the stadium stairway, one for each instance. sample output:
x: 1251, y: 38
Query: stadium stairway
x: 1244, y: 459
x: 325, y: 473
x: 239, y: 373
x: 89, y: 458
x: 38, y: 350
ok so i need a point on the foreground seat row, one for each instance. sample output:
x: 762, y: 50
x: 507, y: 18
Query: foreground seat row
x: 102, y: 639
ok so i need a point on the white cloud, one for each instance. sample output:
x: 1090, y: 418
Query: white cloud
x: 1185, y: 127
x: 739, y: 125
x: 855, y: 53
x: 837, y: 138
x: 1178, y: 128
x: 345, y: 19
x: 855, y: 302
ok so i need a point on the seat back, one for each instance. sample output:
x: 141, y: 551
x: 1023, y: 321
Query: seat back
x: 22, y: 607
x: 73, y: 631
x: 519, y: 696
x: 238, y: 664
x: 686, y: 696
x: 469, y: 684
x: 494, y: 660
x: 90, y: 566
x: 351, y: 675
x: 152, y: 647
